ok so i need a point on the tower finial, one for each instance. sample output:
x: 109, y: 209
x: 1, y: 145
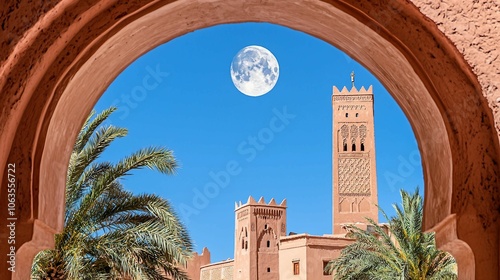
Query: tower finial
x: 352, y: 78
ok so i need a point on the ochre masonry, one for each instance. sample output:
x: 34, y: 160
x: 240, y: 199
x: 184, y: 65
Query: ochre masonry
x: 353, y: 144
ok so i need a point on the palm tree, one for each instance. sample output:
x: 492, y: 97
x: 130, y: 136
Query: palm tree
x: 403, y: 253
x: 110, y: 233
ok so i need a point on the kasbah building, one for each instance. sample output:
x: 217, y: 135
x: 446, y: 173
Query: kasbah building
x: 263, y: 250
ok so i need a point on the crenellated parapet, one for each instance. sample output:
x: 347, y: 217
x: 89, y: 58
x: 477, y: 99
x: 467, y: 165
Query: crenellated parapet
x: 353, y: 90
x: 261, y: 202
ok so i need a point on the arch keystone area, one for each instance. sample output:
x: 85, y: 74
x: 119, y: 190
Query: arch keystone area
x: 440, y: 62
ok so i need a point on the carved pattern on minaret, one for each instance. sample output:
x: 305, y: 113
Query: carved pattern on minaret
x: 353, y: 98
x: 351, y: 107
x: 344, y: 131
x: 354, y: 176
x: 354, y: 132
x: 362, y: 131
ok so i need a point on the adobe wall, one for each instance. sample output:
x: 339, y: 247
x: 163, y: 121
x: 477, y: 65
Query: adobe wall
x: 440, y: 63
x: 474, y: 28
x: 217, y: 271
x: 310, y: 252
x: 196, y: 262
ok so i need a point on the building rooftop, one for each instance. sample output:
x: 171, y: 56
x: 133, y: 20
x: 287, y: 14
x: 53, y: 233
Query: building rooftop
x: 228, y: 261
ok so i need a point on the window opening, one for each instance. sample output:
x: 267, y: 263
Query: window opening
x: 296, y: 268
x: 325, y: 263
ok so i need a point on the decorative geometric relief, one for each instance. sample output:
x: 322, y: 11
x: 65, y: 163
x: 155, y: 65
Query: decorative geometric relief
x: 352, y: 107
x: 205, y: 275
x: 344, y: 131
x: 362, y: 131
x: 283, y: 228
x: 364, y: 206
x: 216, y: 273
x: 354, y: 176
x: 243, y: 213
x: 228, y: 273
x: 344, y: 206
x: 354, y: 132
x: 353, y: 98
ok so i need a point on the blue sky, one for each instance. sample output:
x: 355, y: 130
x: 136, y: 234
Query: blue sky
x: 180, y: 96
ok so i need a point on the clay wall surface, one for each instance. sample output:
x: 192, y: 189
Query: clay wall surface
x: 474, y: 28
x: 311, y: 252
x: 196, y: 262
x: 292, y: 251
x: 217, y: 271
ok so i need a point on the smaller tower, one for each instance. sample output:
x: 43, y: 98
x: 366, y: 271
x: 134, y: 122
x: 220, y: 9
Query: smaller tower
x: 258, y: 227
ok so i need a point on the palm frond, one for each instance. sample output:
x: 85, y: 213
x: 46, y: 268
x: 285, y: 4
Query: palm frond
x: 111, y: 233
x: 90, y: 126
x: 405, y: 252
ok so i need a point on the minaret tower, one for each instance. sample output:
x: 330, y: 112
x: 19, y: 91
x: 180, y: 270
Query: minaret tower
x: 258, y: 226
x: 354, y: 170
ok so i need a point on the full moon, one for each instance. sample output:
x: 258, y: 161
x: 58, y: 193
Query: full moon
x: 254, y: 70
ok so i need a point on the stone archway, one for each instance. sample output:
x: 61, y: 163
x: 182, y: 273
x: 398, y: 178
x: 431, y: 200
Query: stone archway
x: 58, y: 57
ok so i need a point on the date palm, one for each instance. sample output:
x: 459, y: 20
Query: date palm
x: 402, y: 253
x: 110, y: 233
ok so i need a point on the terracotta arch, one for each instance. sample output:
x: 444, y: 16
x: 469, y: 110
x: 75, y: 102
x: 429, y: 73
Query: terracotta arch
x: 58, y: 57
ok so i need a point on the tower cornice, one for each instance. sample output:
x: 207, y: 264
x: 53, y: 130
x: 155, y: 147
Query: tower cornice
x: 363, y: 97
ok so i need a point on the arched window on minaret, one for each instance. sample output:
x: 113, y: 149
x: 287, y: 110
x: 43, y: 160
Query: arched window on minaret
x: 244, y: 238
x: 345, y: 146
x: 362, y: 134
x: 353, y: 147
